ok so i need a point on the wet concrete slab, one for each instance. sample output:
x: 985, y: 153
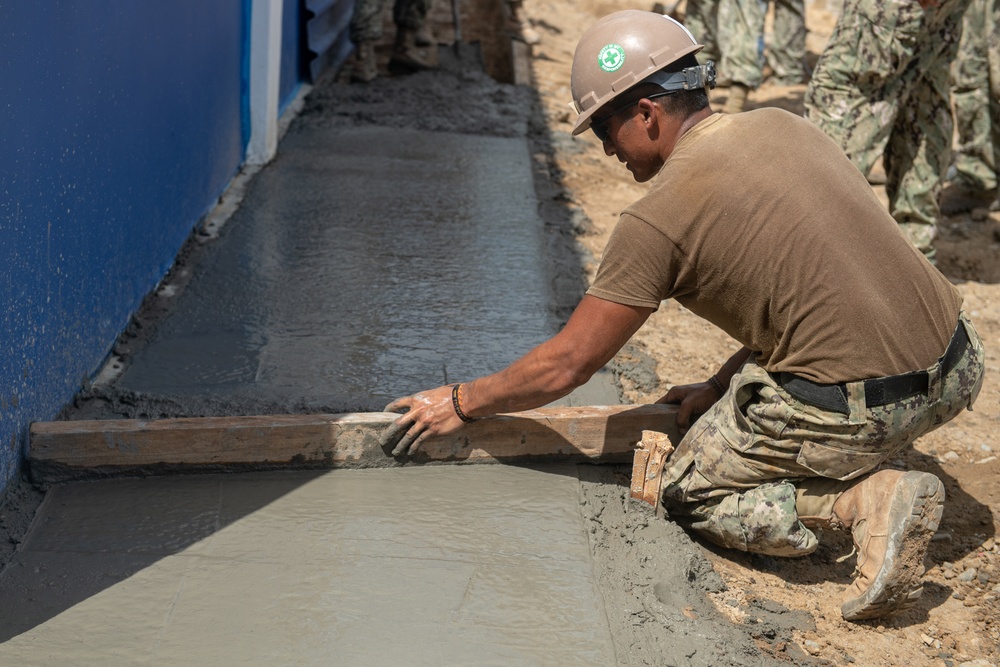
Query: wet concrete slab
x: 415, y: 566
x: 363, y: 265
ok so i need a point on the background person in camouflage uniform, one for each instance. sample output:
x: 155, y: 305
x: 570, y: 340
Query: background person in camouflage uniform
x: 881, y: 89
x: 366, y: 30
x: 786, y: 54
x: 976, y: 95
x: 741, y: 29
x: 853, y: 344
x: 701, y: 17
x: 733, y: 34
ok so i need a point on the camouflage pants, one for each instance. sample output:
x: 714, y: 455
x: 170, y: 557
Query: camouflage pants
x: 366, y: 22
x: 733, y: 34
x: 759, y: 462
x: 881, y: 89
x: 700, y: 18
x: 976, y: 94
x: 787, y: 53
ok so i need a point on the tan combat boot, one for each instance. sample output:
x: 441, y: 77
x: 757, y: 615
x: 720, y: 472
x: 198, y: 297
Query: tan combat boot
x: 892, y: 516
x: 737, y: 98
x: 405, y: 54
x: 365, y: 67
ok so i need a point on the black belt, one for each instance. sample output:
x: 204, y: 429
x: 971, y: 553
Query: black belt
x: 878, y: 391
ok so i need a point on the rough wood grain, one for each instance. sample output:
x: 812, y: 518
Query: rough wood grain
x: 651, y: 454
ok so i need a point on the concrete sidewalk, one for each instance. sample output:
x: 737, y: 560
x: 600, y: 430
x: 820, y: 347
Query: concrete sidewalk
x: 363, y: 264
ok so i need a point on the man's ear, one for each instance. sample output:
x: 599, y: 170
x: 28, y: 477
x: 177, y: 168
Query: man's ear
x: 650, y: 115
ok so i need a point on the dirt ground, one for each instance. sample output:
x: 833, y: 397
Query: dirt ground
x: 957, y: 621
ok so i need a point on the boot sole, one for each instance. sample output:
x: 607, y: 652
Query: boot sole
x: 914, y: 514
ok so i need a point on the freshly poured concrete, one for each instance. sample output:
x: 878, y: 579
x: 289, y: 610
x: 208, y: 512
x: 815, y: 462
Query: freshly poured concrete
x: 366, y: 264
x: 415, y: 566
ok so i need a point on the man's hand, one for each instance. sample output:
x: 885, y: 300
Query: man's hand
x: 595, y: 332
x: 426, y: 413
x: 694, y: 399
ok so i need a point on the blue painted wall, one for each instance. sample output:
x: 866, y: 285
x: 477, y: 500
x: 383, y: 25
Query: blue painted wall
x: 121, y: 122
x: 293, y: 73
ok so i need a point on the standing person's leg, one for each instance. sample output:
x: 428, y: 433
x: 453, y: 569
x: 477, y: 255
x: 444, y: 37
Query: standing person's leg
x: 700, y: 18
x: 853, y: 95
x: 365, y: 31
x: 919, y: 148
x: 916, y: 159
x: 971, y: 96
x: 787, y: 52
x: 994, y: 62
x: 409, y: 17
x: 976, y: 97
x: 741, y: 39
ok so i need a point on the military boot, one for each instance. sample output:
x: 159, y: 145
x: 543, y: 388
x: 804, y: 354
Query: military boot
x: 405, y: 54
x: 365, y: 68
x: 892, y: 516
x: 737, y: 98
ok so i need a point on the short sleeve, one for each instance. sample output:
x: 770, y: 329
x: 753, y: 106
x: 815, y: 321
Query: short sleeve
x: 640, y: 266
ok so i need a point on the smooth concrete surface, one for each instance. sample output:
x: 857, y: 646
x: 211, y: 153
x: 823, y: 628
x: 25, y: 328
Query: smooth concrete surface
x: 363, y: 265
x: 443, y: 565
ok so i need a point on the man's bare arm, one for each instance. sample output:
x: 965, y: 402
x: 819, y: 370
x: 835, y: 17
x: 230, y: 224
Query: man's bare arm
x: 593, y: 335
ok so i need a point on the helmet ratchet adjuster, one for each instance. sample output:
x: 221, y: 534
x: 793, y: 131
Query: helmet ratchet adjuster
x: 689, y: 78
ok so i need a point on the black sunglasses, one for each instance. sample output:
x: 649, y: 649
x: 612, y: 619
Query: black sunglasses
x: 600, y: 127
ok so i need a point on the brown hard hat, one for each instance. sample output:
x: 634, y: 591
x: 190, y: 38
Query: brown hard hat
x: 620, y: 51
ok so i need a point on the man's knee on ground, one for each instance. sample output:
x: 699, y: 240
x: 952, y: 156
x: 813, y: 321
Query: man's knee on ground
x: 760, y: 520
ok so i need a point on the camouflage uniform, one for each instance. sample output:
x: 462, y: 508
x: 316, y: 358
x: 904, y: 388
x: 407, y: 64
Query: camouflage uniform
x: 880, y: 89
x: 741, y: 29
x: 787, y: 53
x: 976, y: 93
x: 366, y: 22
x: 701, y: 18
x: 732, y: 32
x: 761, y: 467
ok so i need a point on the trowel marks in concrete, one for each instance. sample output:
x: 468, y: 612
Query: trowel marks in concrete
x: 364, y: 264
x: 415, y: 566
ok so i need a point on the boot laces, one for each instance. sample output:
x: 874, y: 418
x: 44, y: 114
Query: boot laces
x: 854, y: 551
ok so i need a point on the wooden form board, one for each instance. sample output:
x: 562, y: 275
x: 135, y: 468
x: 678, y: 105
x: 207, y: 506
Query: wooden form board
x: 78, y: 449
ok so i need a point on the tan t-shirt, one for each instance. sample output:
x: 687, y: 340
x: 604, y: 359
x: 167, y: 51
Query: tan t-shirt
x: 759, y: 223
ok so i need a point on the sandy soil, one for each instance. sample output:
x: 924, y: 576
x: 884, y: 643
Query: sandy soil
x: 957, y: 621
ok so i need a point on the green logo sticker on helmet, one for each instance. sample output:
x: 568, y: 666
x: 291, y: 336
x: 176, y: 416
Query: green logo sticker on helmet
x: 611, y: 58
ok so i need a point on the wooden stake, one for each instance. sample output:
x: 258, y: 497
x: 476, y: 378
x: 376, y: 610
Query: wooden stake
x: 648, y: 462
